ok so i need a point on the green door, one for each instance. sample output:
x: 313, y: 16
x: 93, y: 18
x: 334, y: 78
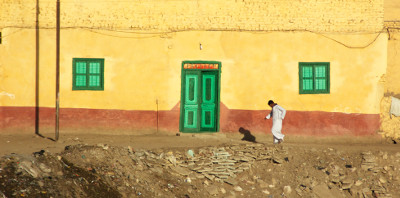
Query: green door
x: 200, y: 96
x: 191, y: 101
x: 208, y: 101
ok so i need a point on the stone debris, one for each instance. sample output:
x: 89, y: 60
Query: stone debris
x: 368, y: 162
x: 234, y: 170
x: 222, y: 163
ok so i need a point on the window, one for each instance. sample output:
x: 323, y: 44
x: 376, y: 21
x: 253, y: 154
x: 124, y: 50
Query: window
x: 88, y: 74
x: 314, y: 78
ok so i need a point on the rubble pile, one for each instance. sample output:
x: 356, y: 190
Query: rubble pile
x: 233, y: 170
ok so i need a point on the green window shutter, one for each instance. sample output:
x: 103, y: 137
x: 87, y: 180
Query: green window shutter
x: 94, y: 81
x: 320, y: 77
x: 80, y: 80
x: 308, y: 83
x: 80, y: 67
x: 88, y: 74
x: 94, y: 68
x: 314, y: 78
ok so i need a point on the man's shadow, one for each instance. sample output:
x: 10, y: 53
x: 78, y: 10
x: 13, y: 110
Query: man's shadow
x: 247, y: 135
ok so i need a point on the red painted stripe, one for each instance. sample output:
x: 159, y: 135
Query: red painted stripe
x: 23, y: 118
x: 296, y: 122
x: 315, y: 123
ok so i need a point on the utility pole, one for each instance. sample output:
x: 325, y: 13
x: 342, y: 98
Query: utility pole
x: 58, y: 70
x: 37, y: 71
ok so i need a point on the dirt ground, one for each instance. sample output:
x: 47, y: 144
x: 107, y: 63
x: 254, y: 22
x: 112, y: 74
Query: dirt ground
x: 197, y: 165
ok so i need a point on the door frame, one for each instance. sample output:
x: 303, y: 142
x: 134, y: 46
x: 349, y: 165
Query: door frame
x: 199, y: 65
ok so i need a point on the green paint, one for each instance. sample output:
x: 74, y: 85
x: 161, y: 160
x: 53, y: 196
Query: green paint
x: 190, y: 118
x: 87, y: 74
x: 200, y: 98
x: 314, y: 78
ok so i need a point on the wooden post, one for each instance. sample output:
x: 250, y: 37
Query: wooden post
x: 58, y: 70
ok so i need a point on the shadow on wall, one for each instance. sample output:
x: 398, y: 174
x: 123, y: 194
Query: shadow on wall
x: 247, y: 135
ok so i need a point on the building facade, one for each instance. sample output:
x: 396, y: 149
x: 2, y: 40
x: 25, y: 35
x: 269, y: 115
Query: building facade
x: 390, y: 125
x: 193, y: 66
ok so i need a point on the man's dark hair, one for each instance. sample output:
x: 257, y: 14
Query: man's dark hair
x: 271, y: 102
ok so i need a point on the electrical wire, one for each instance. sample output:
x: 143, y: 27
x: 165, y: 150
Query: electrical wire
x: 4, y: 36
x: 121, y: 36
x: 354, y: 47
x: 158, y: 34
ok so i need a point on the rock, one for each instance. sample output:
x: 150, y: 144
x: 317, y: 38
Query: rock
x: 104, y: 146
x: 347, y: 183
x: 213, y: 190
x: 27, y: 166
x: 335, y: 180
x: 200, y: 176
x: 44, y: 168
x: 358, y: 183
x: 223, y: 191
x: 231, y: 181
x: 382, y: 180
x: 210, y: 177
x: 181, y: 171
x: 171, y: 159
x: 238, y: 188
x: 274, y: 181
x: 368, y: 161
x: 130, y: 150
x: 346, y: 186
x: 188, y: 180
x: 385, y: 156
x: 287, y: 190
x: 139, y: 168
x: 277, y: 160
x: 190, y: 153
x: 263, y: 184
x: 266, y: 192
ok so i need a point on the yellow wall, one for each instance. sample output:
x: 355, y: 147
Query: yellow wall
x: 140, y: 68
x: 392, y: 86
x: 144, y: 42
x: 392, y: 10
x: 181, y: 15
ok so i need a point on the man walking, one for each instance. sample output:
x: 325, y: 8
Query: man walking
x: 278, y: 114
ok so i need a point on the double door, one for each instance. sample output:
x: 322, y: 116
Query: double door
x: 199, y: 108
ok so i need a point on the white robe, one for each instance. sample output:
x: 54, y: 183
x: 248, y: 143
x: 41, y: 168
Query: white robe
x: 278, y: 114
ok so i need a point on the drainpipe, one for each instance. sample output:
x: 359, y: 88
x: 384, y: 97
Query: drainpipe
x: 57, y: 70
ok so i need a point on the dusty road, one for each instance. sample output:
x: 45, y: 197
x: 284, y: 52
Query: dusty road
x: 197, y: 165
x: 23, y: 143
